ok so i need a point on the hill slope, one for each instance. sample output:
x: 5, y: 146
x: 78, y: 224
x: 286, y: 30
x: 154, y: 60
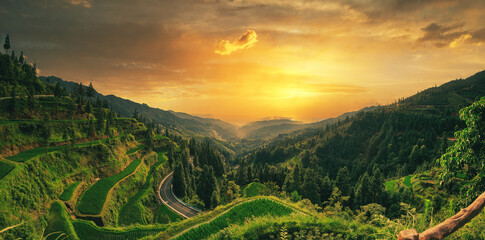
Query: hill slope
x: 183, y: 123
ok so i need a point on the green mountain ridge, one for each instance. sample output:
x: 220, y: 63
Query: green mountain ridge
x: 183, y: 123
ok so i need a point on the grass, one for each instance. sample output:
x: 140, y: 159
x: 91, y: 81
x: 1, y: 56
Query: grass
x: 5, y: 168
x: 59, y: 226
x: 89, y: 231
x: 461, y: 176
x: 253, y: 189
x: 26, y: 155
x: 159, y: 137
x: 132, y: 212
x: 237, y: 215
x: 390, y: 185
x: 136, y: 149
x: 164, y: 213
x: 407, y: 181
x: 92, y: 201
x: 67, y: 194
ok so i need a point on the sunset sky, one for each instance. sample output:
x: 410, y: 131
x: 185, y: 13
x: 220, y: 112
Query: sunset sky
x: 243, y: 60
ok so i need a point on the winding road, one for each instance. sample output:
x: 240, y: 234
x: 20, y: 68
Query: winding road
x: 166, y: 196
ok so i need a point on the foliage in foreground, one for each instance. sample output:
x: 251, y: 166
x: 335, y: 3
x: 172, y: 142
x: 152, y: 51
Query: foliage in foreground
x: 467, y: 155
x: 89, y: 231
x: 237, y: 214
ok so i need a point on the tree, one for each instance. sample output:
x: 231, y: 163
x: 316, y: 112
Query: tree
x: 295, y: 197
x: 467, y: 155
x: 13, y: 58
x: 326, y: 187
x: 310, y: 188
x: 206, y: 184
x: 89, y: 107
x: 91, y: 129
x: 21, y: 58
x: 343, y: 181
x: 215, y: 199
x: 80, y: 90
x: 58, y: 91
x: 6, y: 45
x: 90, y: 91
x: 149, y: 136
x: 179, y: 184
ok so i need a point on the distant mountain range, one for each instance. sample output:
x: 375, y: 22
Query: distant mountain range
x: 190, y: 125
x: 183, y: 123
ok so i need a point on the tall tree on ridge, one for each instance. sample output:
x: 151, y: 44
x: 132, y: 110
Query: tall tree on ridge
x: 6, y: 45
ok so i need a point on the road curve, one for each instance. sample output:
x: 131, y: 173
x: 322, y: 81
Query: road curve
x: 166, y: 196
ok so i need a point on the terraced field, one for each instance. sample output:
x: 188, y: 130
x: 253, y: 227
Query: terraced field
x: 236, y: 215
x: 92, y: 200
x: 59, y: 225
x: 5, y: 168
x: 131, y: 212
x: 26, y: 155
x: 135, y: 149
x: 89, y: 231
x: 253, y: 189
x: 67, y: 194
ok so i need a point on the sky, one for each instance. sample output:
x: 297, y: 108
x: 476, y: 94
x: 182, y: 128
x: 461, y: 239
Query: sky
x: 241, y: 61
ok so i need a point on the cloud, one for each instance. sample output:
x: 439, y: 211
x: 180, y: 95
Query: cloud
x: 247, y: 40
x: 84, y: 3
x: 459, y: 41
x: 441, y: 36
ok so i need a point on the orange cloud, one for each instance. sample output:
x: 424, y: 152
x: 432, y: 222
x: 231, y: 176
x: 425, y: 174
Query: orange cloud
x: 459, y: 41
x: 245, y: 41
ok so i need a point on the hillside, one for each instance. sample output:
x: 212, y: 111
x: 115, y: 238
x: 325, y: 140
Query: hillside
x: 185, y: 124
x: 357, y: 153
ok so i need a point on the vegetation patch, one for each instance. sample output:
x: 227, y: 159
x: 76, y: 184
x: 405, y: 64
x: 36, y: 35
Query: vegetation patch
x: 253, y: 189
x: 5, y: 168
x: 67, y: 194
x: 237, y: 215
x: 89, y: 231
x: 166, y: 215
x: 26, y: 155
x: 31, y: 153
x: 136, y: 149
x: 407, y: 181
x: 91, y: 201
x: 59, y: 225
x: 390, y: 185
x: 132, y: 211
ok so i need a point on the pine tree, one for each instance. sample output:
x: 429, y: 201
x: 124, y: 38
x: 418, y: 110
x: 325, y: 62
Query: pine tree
x: 13, y: 58
x: 215, y: 198
x: 206, y: 184
x: 343, y: 181
x: 6, y: 45
x: 90, y: 91
x: 326, y: 187
x: 21, y: 58
x: 179, y: 183
x: 57, y: 90
x: 310, y: 188
x: 89, y: 107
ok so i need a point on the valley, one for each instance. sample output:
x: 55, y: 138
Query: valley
x: 75, y: 164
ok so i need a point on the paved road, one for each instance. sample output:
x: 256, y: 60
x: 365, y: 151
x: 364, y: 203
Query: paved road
x: 165, y: 194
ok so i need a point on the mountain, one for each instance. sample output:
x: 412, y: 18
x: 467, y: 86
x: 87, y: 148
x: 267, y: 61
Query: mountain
x: 365, y: 147
x: 183, y: 123
x: 268, y: 128
x: 277, y: 128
